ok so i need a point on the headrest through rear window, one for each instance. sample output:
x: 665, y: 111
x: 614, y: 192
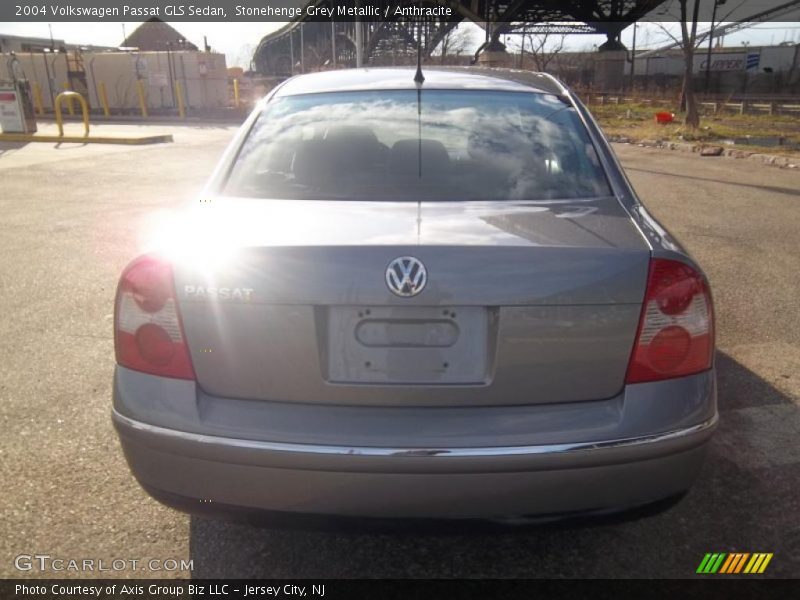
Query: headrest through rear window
x: 404, y: 159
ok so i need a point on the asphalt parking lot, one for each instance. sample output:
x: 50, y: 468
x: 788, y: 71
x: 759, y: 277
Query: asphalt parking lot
x: 72, y: 216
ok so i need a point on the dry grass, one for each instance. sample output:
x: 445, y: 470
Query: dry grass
x: 637, y: 122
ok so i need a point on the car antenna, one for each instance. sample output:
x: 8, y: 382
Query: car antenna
x: 419, y: 78
x: 419, y: 127
x: 419, y: 147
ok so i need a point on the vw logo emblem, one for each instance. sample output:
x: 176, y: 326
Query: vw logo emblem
x: 406, y: 276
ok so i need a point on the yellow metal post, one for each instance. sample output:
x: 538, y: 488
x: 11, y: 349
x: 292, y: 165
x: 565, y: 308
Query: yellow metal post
x: 142, y: 100
x: 37, y: 97
x: 179, y: 96
x: 70, y: 106
x: 236, y: 93
x: 101, y: 89
x: 69, y: 96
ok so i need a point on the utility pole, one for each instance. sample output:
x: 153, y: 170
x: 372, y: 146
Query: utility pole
x: 333, y: 43
x: 746, y: 44
x: 291, y: 49
x: 359, y: 42
x: 633, y: 59
x: 711, y: 42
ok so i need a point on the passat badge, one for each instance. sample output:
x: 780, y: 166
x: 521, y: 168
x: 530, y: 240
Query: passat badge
x: 406, y: 276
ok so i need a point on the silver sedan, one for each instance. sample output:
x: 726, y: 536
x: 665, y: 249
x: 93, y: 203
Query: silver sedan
x: 416, y: 299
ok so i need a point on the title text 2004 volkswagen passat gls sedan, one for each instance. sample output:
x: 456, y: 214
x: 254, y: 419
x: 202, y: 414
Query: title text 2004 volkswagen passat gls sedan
x: 417, y: 300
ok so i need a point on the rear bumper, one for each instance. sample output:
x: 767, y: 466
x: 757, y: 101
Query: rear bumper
x: 487, y: 482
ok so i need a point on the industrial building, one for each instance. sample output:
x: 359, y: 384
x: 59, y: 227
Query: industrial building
x: 771, y: 70
x: 19, y: 43
x: 155, y: 66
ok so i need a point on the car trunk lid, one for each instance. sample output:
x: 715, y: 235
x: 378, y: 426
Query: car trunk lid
x: 524, y: 302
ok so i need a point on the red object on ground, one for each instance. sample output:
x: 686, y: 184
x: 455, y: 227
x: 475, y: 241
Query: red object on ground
x: 664, y: 117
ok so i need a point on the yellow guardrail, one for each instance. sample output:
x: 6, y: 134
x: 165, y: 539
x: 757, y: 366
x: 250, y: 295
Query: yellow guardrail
x: 37, y: 98
x: 70, y: 106
x: 179, y: 97
x: 69, y: 97
x: 101, y: 91
x: 142, y: 99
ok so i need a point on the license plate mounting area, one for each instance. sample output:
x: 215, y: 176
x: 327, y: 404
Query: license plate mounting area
x: 407, y: 345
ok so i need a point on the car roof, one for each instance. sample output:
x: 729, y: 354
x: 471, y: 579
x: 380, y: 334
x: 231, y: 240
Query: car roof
x: 448, y: 78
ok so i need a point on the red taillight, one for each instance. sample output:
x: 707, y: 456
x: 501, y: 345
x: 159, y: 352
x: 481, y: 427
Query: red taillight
x: 148, y: 335
x: 676, y: 328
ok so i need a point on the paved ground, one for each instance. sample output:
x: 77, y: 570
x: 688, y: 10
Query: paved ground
x: 73, y: 216
x: 120, y: 132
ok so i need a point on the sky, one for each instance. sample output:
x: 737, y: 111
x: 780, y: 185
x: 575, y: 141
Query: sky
x: 235, y: 40
x: 238, y: 40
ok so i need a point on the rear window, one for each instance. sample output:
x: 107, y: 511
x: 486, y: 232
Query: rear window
x: 444, y: 145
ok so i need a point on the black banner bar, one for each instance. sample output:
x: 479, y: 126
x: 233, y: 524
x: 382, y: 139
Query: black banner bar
x: 624, y: 11
x: 165, y: 589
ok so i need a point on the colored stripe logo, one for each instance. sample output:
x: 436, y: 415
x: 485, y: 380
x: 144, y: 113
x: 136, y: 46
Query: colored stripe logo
x: 734, y: 563
x: 753, y: 60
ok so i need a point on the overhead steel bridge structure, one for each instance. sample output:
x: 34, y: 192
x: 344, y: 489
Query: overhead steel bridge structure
x: 307, y: 43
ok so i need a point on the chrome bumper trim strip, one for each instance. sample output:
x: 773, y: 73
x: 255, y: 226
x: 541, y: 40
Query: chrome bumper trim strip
x: 369, y: 451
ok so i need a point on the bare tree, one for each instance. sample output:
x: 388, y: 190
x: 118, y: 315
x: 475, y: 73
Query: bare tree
x: 243, y: 57
x: 454, y: 42
x: 688, y: 45
x: 689, y: 41
x: 542, y: 48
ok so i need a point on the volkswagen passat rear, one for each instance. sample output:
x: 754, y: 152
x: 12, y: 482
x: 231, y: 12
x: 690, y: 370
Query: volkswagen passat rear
x: 401, y: 299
